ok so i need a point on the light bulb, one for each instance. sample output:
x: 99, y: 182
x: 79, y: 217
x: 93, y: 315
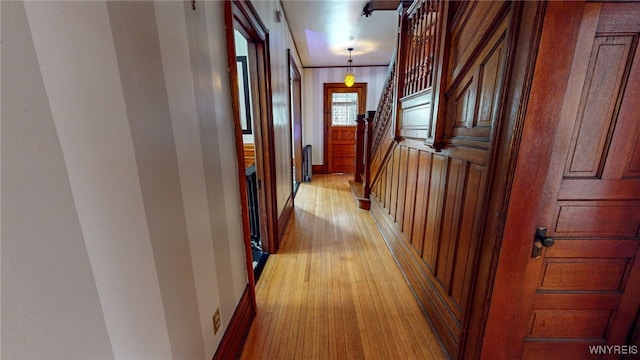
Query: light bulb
x: 349, y: 79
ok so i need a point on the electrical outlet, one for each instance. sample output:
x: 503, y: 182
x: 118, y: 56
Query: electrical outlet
x: 216, y: 321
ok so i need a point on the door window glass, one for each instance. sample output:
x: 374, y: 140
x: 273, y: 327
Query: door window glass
x: 344, y: 109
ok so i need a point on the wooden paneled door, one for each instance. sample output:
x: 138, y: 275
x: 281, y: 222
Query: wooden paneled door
x: 584, y: 289
x: 340, y: 131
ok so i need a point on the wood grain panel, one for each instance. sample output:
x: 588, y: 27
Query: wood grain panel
x: 381, y: 185
x: 451, y: 220
x: 570, y: 324
x: 623, y: 160
x: 609, y: 62
x: 415, y: 117
x: 422, y: 198
x: 468, y: 235
x: 388, y: 184
x: 473, y: 104
x: 597, y: 218
x: 435, y: 208
x: 490, y: 77
x: 633, y: 170
x: 343, y: 150
x: 393, y: 201
x: 577, y: 300
x: 569, y: 349
x: 468, y: 30
x: 402, y: 184
x: 619, y: 18
x: 592, y: 248
x: 342, y: 165
x: 587, y: 274
x: 590, y: 189
x: 410, y: 199
x: 463, y: 104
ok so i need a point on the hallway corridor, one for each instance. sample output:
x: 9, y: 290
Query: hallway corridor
x: 333, y: 291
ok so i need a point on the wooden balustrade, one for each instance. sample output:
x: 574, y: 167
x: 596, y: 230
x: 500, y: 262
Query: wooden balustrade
x: 385, y: 109
x: 370, y: 132
x: 420, y: 28
x: 411, y: 71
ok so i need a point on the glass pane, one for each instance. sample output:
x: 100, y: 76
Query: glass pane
x: 344, y: 109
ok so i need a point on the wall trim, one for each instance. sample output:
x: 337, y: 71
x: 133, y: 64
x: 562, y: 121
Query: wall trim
x: 234, y: 337
x: 284, y: 218
x: 318, y: 169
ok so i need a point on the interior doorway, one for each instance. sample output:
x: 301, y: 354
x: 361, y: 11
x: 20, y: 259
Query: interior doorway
x: 248, y: 60
x: 342, y: 105
x: 258, y: 254
x: 295, y: 95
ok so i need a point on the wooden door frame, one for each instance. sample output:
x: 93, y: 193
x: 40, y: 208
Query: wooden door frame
x: 295, y: 106
x: 241, y: 16
x: 561, y: 24
x: 329, y: 88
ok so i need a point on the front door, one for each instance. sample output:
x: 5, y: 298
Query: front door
x: 583, y: 292
x: 342, y: 105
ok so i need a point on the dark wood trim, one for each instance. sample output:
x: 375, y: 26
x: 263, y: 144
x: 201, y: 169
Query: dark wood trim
x: 357, y: 190
x: 235, y: 108
x: 234, y: 337
x: 284, y: 218
x: 318, y: 169
x: 439, y: 108
x: 247, y: 21
x: 269, y: 150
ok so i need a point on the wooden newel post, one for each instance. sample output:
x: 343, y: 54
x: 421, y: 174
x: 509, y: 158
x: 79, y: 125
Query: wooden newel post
x: 366, y: 189
x: 359, y: 148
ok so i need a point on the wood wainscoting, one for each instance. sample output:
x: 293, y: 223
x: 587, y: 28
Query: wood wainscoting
x: 441, y: 173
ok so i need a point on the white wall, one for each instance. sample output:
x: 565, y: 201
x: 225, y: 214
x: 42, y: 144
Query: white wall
x: 280, y: 40
x: 313, y: 88
x: 120, y: 231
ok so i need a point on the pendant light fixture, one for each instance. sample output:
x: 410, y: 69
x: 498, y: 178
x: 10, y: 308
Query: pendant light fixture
x: 349, y: 79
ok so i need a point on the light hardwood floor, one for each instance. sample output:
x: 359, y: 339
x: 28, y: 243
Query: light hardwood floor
x: 333, y: 291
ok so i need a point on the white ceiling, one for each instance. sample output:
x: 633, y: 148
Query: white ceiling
x: 323, y: 30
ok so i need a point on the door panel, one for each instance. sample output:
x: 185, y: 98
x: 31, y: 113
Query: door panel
x: 586, y: 286
x: 342, y: 146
